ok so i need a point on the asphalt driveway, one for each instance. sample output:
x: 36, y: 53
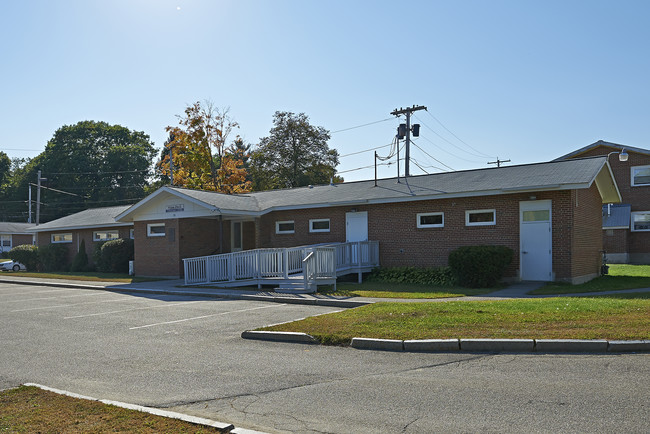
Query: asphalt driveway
x: 186, y: 354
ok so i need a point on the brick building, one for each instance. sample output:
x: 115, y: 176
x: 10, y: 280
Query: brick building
x: 626, y: 226
x: 550, y: 214
x: 14, y: 234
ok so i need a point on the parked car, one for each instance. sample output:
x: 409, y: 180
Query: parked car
x: 12, y: 265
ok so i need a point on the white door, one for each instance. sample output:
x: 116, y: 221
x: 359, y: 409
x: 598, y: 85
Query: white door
x: 236, y: 237
x: 535, y: 240
x: 356, y: 229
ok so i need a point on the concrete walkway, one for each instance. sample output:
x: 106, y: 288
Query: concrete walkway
x: 175, y: 287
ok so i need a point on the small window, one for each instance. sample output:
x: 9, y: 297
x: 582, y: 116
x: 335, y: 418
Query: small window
x: 431, y: 220
x: 641, y: 221
x: 286, y: 227
x: 156, y: 230
x: 105, y: 235
x: 640, y: 176
x: 480, y: 217
x: 62, y: 238
x: 319, y: 225
x: 542, y: 215
x: 131, y: 232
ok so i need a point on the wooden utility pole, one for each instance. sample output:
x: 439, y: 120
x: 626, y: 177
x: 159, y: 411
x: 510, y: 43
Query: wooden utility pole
x: 407, y: 111
x: 498, y: 162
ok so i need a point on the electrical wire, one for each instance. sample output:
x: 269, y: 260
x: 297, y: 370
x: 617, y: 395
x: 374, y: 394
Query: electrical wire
x: 365, y: 150
x: 431, y: 156
x: 449, y: 142
x: 458, y: 138
x: 360, y: 126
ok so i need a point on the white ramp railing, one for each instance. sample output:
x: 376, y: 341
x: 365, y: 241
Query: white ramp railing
x: 313, y: 262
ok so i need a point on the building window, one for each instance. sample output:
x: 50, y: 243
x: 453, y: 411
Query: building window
x: 640, y: 176
x: 480, y: 217
x: 156, y: 230
x: 286, y: 227
x: 641, y: 221
x: 431, y: 220
x: 131, y: 232
x: 62, y: 238
x: 105, y: 235
x: 319, y: 225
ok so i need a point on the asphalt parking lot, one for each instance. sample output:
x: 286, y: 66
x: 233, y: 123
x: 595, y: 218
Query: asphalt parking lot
x: 185, y: 354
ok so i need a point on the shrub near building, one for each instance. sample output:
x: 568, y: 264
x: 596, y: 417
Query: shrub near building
x: 27, y: 255
x: 480, y: 266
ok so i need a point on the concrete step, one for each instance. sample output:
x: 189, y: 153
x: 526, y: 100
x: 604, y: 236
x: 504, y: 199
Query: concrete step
x: 294, y: 288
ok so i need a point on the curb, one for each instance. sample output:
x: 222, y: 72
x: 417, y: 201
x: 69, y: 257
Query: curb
x: 224, y: 427
x: 270, y: 299
x: 557, y: 346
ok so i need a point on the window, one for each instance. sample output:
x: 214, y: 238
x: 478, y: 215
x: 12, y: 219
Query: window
x: 105, y: 235
x: 640, y: 175
x: 156, y: 230
x: 319, y: 225
x: 641, y: 221
x: 480, y: 217
x: 542, y: 215
x: 62, y: 238
x: 431, y: 220
x: 131, y: 232
x: 286, y: 227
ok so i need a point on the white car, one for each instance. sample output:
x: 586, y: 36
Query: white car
x: 12, y: 265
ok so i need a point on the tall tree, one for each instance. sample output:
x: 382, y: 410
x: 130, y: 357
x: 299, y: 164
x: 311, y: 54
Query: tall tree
x: 202, y: 157
x: 100, y: 164
x: 295, y: 153
x: 5, y: 167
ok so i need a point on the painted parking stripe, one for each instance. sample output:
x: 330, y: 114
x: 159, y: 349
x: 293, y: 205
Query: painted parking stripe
x: 135, y: 308
x: 206, y: 316
x: 52, y: 298
x: 71, y: 305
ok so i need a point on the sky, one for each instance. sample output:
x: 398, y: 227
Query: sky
x: 525, y: 81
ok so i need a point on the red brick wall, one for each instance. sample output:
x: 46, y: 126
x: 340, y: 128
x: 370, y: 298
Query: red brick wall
x: 19, y: 239
x: 157, y: 256
x: 587, y: 242
x: 615, y: 240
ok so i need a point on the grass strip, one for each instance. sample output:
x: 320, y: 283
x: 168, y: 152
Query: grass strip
x: 85, y: 276
x: 621, y: 276
x: 555, y: 318
x: 403, y: 290
x: 28, y: 409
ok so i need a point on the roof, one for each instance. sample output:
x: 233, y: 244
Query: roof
x: 555, y: 175
x: 616, y: 216
x: 594, y: 145
x: 87, y: 219
x: 14, y: 228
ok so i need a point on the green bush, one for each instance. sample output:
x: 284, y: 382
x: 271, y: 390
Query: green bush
x: 97, y: 255
x: 436, y: 276
x: 27, y: 255
x: 115, y: 256
x: 53, y: 257
x: 80, y: 261
x: 480, y: 266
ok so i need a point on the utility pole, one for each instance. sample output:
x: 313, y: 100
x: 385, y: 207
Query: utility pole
x: 407, y: 130
x: 498, y: 162
x: 29, y: 219
x: 38, y: 197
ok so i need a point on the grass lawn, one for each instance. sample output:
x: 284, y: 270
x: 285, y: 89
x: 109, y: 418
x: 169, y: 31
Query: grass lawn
x: 83, y: 276
x: 554, y: 318
x: 32, y: 410
x: 621, y: 276
x: 403, y: 290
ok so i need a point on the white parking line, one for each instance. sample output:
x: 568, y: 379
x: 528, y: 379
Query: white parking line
x: 205, y: 316
x: 70, y: 305
x: 135, y: 308
x: 50, y: 298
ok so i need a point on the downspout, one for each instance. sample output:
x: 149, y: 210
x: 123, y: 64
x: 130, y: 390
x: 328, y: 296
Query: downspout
x: 220, y: 233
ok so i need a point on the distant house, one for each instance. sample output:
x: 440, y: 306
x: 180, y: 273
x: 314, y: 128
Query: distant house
x: 91, y: 225
x: 626, y: 226
x: 14, y: 234
x: 550, y: 214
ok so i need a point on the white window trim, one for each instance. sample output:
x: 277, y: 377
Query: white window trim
x: 424, y: 214
x: 632, y: 176
x: 632, y: 214
x: 132, y: 233
x: 62, y: 234
x: 152, y: 225
x: 277, y: 227
x: 311, y: 225
x: 95, y: 238
x: 479, y: 211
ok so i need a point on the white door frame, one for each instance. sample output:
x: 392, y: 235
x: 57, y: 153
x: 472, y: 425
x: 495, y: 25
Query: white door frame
x: 536, y: 205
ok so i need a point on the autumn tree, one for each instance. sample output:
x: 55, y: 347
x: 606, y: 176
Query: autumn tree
x: 294, y: 154
x: 202, y: 157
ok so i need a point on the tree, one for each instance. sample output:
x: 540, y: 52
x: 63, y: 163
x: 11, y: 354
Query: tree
x: 294, y: 154
x: 202, y: 157
x: 100, y: 164
x: 5, y: 167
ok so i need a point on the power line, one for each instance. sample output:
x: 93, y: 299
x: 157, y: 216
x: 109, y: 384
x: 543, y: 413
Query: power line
x: 364, y: 167
x: 459, y: 139
x: 365, y: 150
x: 360, y: 126
x: 451, y: 143
x: 431, y: 156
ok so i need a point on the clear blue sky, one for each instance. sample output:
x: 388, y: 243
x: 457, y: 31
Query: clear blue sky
x: 521, y: 80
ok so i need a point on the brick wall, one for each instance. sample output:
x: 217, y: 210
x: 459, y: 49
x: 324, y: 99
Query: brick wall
x: 587, y: 242
x: 157, y: 256
x: 20, y: 239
